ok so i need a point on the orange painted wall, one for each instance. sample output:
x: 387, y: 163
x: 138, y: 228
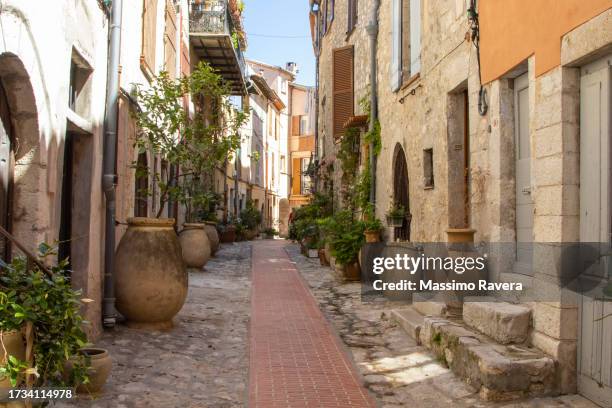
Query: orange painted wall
x: 513, y: 30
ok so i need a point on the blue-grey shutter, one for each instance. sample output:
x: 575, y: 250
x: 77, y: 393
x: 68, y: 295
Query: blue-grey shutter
x: 415, y: 37
x: 396, y: 43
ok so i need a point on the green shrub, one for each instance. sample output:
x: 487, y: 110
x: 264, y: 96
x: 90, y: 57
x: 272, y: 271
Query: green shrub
x: 52, y: 307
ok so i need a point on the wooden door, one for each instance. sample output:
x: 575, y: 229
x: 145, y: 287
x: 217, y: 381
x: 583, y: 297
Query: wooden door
x: 595, y: 336
x: 524, y: 198
x: 7, y: 160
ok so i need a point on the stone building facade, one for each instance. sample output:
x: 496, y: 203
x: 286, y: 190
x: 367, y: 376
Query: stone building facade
x: 53, y: 69
x: 54, y: 60
x: 301, y: 142
x: 480, y: 117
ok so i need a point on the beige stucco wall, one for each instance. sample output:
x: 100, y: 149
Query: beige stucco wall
x: 37, y: 78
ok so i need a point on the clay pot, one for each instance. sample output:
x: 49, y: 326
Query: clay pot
x: 250, y: 234
x: 213, y: 236
x: 349, y: 272
x: 372, y: 236
x: 228, y: 235
x: 322, y: 258
x: 150, y: 275
x: 195, y: 245
x: 101, y: 365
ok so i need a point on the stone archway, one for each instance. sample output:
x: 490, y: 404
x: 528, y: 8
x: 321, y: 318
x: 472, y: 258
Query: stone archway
x: 401, y: 192
x: 25, y: 219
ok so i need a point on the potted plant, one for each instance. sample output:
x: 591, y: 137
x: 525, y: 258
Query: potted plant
x: 270, y: 233
x: 345, y: 235
x: 98, y: 372
x: 372, y: 225
x: 251, y: 219
x: 40, y: 311
x: 150, y: 276
x: 396, y: 215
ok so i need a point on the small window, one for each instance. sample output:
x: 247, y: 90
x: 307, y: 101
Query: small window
x: 428, y: 169
x: 352, y: 15
x: 303, y: 125
x: 283, y: 166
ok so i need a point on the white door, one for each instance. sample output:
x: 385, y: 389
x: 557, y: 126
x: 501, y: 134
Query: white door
x: 524, y: 198
x: 595, y: 337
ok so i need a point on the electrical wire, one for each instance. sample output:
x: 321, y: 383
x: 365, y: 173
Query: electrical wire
x: 278, y: 36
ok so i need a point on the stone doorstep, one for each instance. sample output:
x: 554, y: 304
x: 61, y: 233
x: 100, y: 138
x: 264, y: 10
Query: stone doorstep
x: 504, y: 322
x: 410, y: 320
x: 499, y: 372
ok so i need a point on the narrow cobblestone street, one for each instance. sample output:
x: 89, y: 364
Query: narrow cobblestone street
x: 330, y: 350
x: 203, y: 361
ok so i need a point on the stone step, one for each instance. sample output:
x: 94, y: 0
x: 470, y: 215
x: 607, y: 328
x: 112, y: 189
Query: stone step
x: 429, y: 306
x: 410, y: 320
x: 504, y: 322
x: 499, y: 372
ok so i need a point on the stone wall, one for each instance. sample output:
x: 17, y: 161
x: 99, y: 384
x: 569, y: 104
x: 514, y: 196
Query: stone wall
x: 423, y: 114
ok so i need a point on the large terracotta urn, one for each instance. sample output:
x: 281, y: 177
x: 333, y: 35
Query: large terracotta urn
x: 150, y: 275
x: 213, y: 236
x: 195, y: 245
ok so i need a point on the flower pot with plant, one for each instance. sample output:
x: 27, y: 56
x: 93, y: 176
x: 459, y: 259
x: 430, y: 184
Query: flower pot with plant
x: 151, y: 278
x: 396, y: 215
x: 39, y: 311
x: 270, y: 233
x: 372, y: 225
x: 98, y: 372
x: 346, y: 236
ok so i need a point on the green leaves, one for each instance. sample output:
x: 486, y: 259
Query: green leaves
x: 194, y: 144
x: 52, y: 307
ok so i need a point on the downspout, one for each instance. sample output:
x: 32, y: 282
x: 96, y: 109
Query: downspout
x: 316, y: 126
x: 372, y: 30
x: 109, y: 177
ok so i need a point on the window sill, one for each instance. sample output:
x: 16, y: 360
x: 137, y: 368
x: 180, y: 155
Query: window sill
x: 410, y: 81
x: 428, y: 187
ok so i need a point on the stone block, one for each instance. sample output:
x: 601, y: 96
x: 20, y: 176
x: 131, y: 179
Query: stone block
x: 556, y: 322
x: 503, y: 322
x: 498, y: 372
x: 410, y: 320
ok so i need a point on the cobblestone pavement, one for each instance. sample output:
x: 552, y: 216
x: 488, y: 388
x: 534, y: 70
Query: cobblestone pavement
x: 396, y: 371
x: 203, y: 361
x: 297, y: 361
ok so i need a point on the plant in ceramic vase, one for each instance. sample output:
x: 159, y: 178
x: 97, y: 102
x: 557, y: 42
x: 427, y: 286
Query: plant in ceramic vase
x: 43, y: 310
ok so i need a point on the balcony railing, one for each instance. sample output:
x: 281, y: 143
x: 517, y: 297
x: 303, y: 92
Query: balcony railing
x: 217, y: 41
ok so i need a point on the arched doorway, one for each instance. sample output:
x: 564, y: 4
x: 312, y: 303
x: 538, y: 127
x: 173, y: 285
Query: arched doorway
x: 21, y: 171
x: 401, y: 194
x: 7, y: 163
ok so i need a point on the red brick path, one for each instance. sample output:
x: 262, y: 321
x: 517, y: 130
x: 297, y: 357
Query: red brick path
x: 295, y: 358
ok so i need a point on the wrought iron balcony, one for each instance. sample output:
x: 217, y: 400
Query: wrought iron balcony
x: 215, y: 40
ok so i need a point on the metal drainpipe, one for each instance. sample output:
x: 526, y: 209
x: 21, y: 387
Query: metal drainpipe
x: 372, y: 29
x: 109, y: 178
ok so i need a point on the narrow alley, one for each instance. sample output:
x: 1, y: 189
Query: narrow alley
x: 265, y: 326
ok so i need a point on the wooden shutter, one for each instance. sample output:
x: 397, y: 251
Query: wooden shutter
x: 343, y: 99
x: 295, y: 125
x: 149, y: 24
x: 296, y: 176
x: 396, y: 44
x: 170, y: 40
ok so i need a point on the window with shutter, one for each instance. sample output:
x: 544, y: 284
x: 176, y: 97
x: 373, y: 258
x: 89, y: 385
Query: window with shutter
x: 343, y: 99
x: 170, y: 40
x: 296, y: 176
x: 352, y: 15
x: 149, y: 24
x: 406, y: 41
x: 295, y: 125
